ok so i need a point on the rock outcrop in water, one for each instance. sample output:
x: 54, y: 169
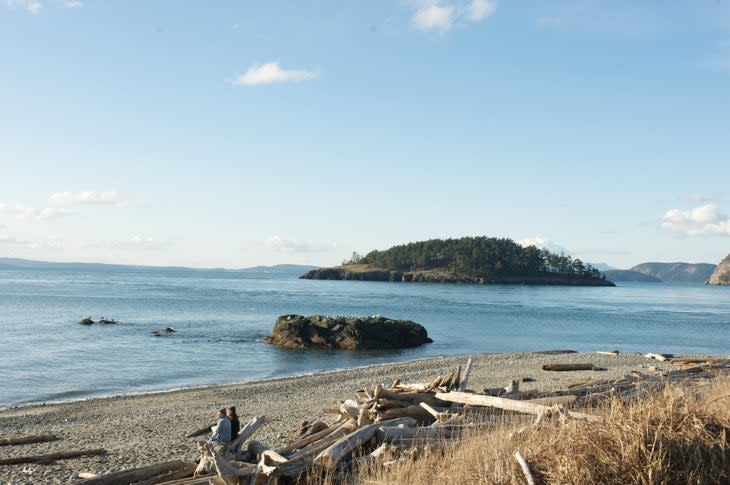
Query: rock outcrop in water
x: 351, y: 333
x: 721, y: 275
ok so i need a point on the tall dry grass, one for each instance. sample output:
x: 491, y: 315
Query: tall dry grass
x: 672, y: 437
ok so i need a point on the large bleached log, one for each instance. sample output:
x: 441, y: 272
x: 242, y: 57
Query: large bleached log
x: 246, y: 432
x: 415, y: 411
x: 24, y: 439
x: 465, y: 378
x: 394, y: 434
x: 136, y: 474
x: 568, y: 367
x: 659, y: 357
x: 344, y: 446
x: 507, y: 404
x: 182, y: 473
x: 51, y: 457
x: 307, y: 440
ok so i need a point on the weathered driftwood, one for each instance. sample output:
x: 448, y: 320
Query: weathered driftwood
x: 199, y: 432
x: 568, y: 367
x: 307, y: 440
x: 246, y: 432
x: 659, y: 357
x: 24, y: 439
x: 51, y: 457
x: 507, y: 404
x: 525, y: 468
x: 329, y: 457
x: 182, y: 473
x: 609, y: 352
x: 137, y: 474
x: 465, y: 378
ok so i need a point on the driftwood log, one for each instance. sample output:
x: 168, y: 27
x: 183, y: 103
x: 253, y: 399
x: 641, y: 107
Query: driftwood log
x: 24, y: 439
x: 51, y: 457
x: 142, y: 474
x: 568, y: 367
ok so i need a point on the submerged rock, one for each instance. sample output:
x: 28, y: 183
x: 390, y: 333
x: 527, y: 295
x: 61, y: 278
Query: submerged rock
x: 351, y: 333
x: 87, y: 321
x: 108, y: 321
x: 163, y: 332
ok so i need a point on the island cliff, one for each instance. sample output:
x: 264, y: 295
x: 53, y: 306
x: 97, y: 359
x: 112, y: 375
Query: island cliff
x: 721, y: 275
x: 477, y: 260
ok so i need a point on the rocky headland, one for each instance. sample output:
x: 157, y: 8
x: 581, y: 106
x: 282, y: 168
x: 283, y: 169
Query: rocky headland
x: 721, y: 275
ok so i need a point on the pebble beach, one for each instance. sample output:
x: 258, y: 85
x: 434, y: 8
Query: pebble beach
x: 139, y: 430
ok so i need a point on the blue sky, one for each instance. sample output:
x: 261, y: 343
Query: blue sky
x: 232, y: 133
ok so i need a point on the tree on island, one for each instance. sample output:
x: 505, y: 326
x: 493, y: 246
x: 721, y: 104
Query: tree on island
x: 483, y: 257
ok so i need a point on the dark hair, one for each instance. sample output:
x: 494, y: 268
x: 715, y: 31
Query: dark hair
x: 232, y: 409
x: 222, y: 411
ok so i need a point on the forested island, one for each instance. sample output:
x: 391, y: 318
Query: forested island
x: 479, y: 260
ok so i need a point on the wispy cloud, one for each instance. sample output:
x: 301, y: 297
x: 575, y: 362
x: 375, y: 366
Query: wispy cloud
x: 440, y: 16
x: 434, y: 17
x: 85, y: 198
x: 277, y: 244
x: 73, y: 4
x: 543, y: 243
x: 32, y: 6
x: 479, y: 10
x: 270, y: 73
x: 19, y: 211
x: 705, y: 220
x: 696, y: 198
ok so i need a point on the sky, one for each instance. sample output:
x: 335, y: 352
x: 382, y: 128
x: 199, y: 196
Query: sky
x: 240, y: 133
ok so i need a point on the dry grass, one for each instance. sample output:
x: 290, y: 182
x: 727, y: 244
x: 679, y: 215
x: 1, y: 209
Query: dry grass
x: 673, y: 437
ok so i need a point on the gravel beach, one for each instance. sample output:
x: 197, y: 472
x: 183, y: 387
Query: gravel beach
x: 144, y: 429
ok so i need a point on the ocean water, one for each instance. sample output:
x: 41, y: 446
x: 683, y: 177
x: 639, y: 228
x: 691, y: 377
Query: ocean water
x: 221, y: 318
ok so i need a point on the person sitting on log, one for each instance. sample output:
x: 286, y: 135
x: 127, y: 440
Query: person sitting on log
x: 222, y: 429
x: 235, y: 423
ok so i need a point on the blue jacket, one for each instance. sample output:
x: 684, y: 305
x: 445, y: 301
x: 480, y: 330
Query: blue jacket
x: 221, y: 431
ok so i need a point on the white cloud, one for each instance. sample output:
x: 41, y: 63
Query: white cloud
x: 32, y: 6
x: 434, y: 17
x: 440, y: 16
x: 73, y: 4
x: 22, y: 212
x: 480, y: 9
x: 543, y: 243
x: 705, y: 220
x: 270, y: 73
x: 85, y: 198
x: 277, y: 244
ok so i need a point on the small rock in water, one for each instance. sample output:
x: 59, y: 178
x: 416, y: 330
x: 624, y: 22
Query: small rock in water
x: 164, y: 331
x: 87, y: 321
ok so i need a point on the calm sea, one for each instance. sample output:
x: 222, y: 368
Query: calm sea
x: 221, y: 318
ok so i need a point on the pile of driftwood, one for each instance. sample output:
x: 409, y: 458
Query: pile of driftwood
x: 385, y: 425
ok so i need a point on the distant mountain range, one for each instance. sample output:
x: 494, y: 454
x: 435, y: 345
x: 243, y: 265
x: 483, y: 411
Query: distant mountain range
x: 664, y: 273
x: 17, y: 263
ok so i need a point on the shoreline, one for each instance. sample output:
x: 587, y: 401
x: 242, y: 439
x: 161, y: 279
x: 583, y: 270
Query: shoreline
x: 147, y: 428
x: 241, y: 383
